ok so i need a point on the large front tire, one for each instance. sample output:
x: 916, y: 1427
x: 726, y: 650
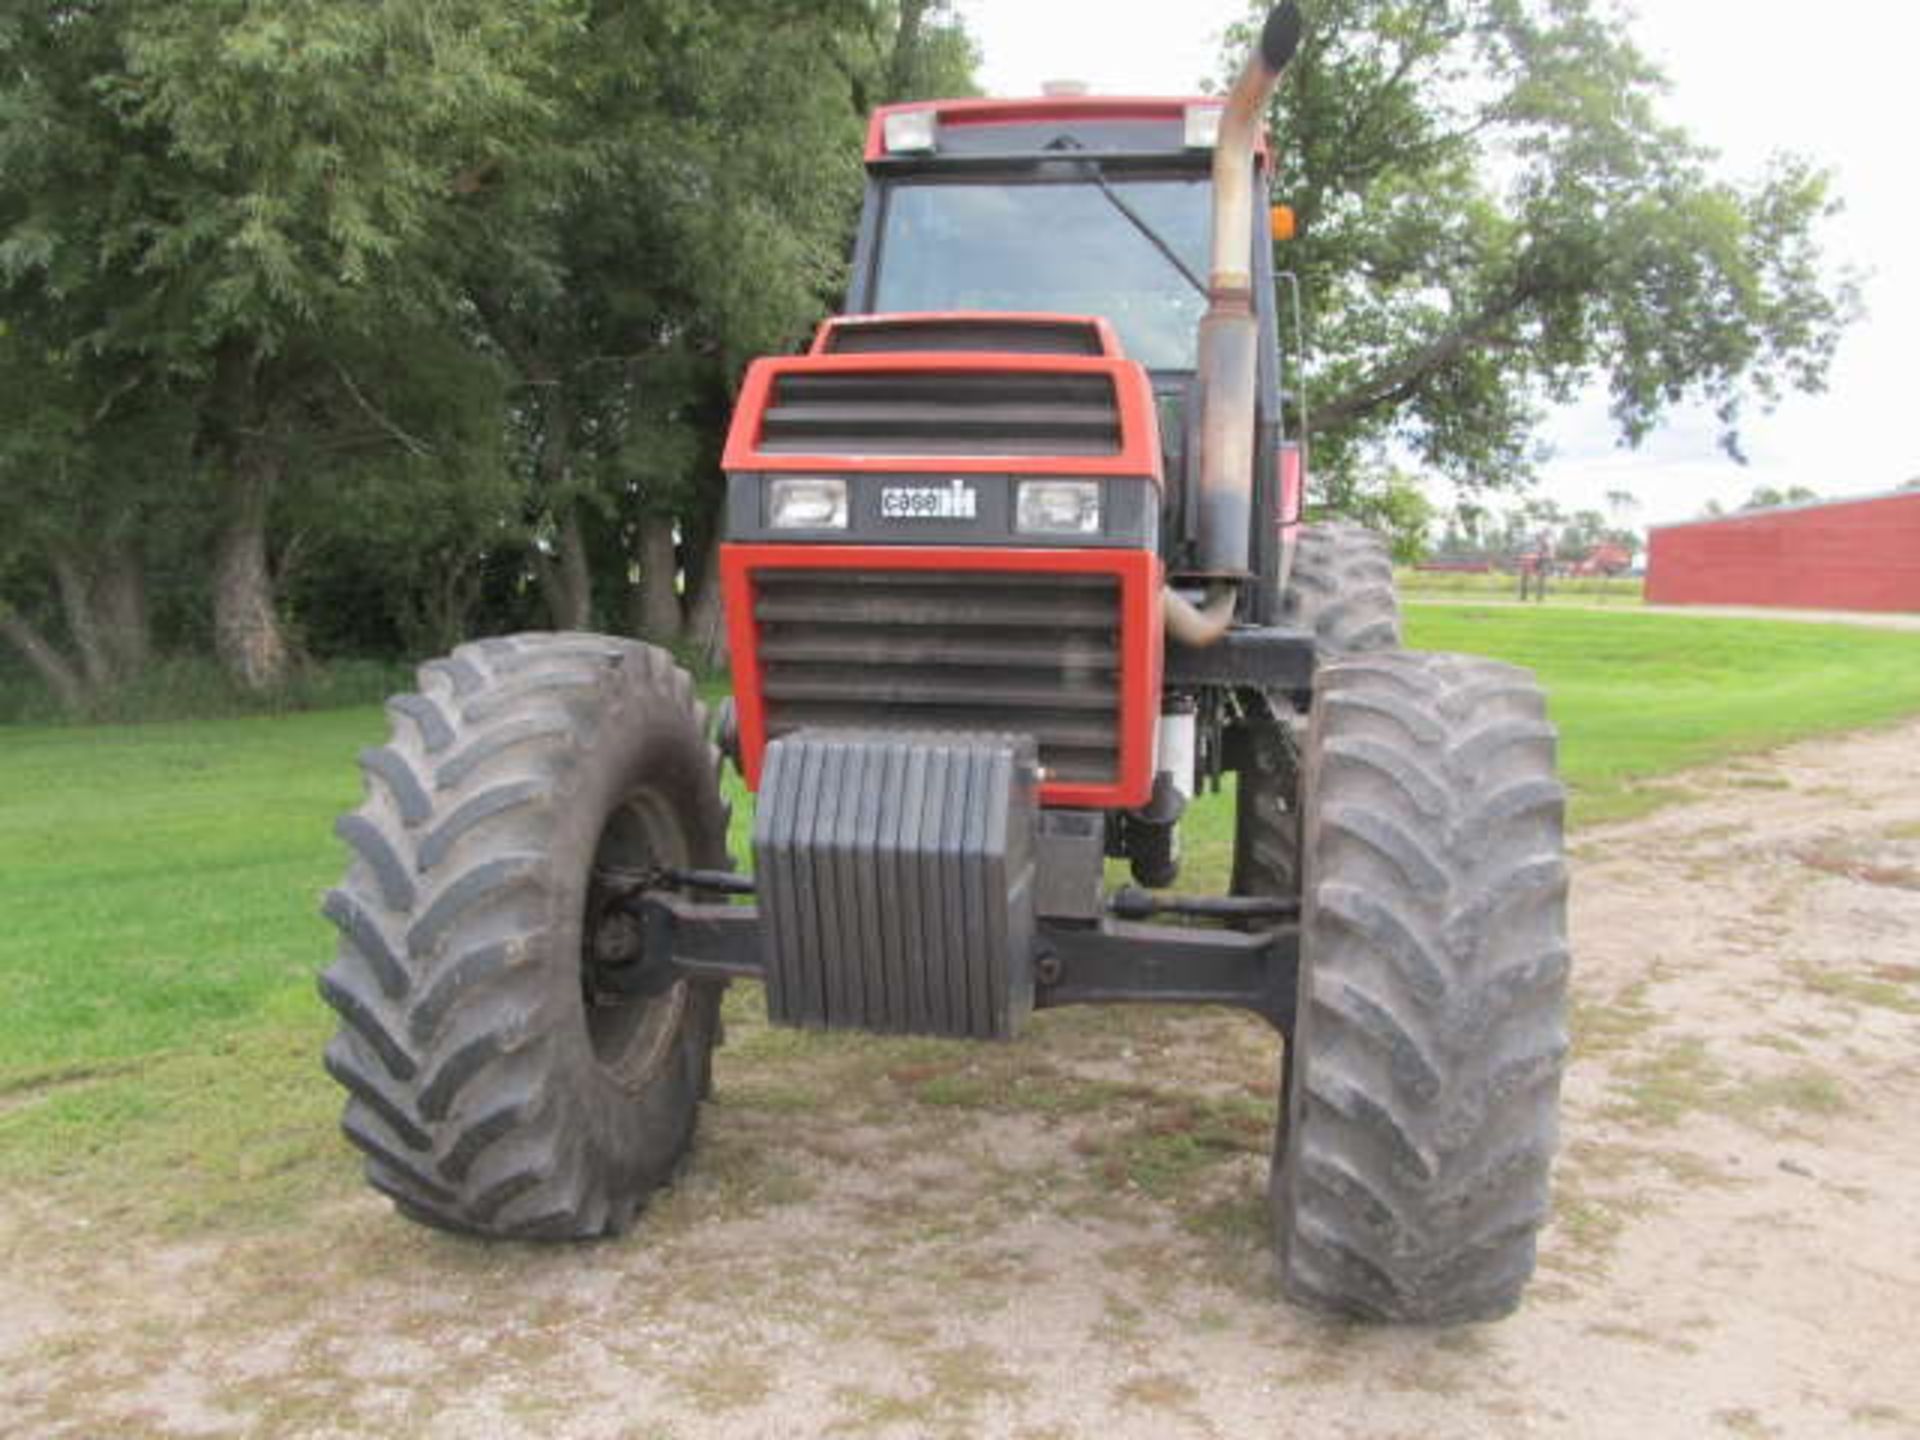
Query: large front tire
x: 492, y: 1086
x: 1431, y: 1033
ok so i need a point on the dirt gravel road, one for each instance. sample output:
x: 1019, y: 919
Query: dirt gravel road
x: 1062, y: 1237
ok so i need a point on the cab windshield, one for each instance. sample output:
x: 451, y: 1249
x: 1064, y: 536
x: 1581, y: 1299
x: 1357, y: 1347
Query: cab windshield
x: 1059, y: 247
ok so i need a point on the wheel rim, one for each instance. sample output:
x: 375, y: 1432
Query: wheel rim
x: 631, y: 1037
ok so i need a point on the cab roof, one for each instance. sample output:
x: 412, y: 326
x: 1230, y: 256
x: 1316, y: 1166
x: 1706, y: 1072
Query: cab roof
x: 1098, y: 124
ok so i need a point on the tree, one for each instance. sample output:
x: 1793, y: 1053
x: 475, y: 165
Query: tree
x: 1493, y: 216
x: 685, y: 211
x: 1580, y: 535
x: 1393, y: 504
x: 387, y: 313
x: 689, y: 210
x: 204, y: 200
x: 85, y: 495
x: 902, y: 50
x: 1766, y: 497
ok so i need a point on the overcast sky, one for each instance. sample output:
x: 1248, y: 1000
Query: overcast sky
x: 1835, y: 81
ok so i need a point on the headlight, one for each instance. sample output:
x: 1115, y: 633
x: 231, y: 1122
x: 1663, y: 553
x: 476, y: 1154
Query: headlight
x: 910, y: 132
x: 1203, y: 125
x: 1059, y: 507
x: 807, y: 503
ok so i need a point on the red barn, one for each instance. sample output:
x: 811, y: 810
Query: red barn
x: 1836, y: 555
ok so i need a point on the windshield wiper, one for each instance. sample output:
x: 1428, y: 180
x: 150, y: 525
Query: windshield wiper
x: 1135, y: 218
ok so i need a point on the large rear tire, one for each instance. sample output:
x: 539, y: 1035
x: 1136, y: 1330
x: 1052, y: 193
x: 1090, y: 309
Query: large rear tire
x: 1411, y: 1178
x: 1340, y: 589
x: 492, y: 1086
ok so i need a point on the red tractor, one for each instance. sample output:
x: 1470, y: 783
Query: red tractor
x: 1016, y: 571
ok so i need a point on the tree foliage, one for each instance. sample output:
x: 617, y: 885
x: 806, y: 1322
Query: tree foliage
x: 1494, y: 217
x: 208, y: 208
x: 1475, y: 533
x: 688, y: 210
x: 373, y: 321
x: 1769, y: 497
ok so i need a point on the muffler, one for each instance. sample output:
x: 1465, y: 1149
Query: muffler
x: 1229, y: 345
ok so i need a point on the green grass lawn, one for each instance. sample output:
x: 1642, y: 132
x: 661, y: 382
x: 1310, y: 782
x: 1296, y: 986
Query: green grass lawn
x: 158, y: 890
x: 161, y: 878
x: 1637, y: 696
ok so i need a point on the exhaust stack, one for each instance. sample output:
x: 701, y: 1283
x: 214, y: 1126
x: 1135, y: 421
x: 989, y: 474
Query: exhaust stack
x: 1229, y: 342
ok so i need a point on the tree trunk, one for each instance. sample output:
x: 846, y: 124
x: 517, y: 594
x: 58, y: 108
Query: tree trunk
x: 706, y: 626
x: 660, y: 618
x: 68, y: 687
x: 120, y: 597
x: 450, y: 605
x: 247, y: 637
x: 75, y: 583
x: 436, y: 613
x: 903, y: 68
x: 246, y: 625
x: 103, y: 598
x: 566, y: 579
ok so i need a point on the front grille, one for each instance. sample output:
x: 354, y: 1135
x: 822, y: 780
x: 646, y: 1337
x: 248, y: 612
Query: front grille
x: 929, y: 413
x: 1019, y: 653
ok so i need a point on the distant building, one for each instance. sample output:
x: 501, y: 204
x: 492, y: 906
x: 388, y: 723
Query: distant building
x: 1607, y: 558
x: 1859, y: 554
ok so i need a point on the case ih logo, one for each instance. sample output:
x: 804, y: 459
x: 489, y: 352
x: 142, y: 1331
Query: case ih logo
x: 956, y: 500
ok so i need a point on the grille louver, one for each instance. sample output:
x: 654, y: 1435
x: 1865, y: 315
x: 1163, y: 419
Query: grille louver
x: 930, y: 413
x: 1023, y: 337
x: 1034, y: 654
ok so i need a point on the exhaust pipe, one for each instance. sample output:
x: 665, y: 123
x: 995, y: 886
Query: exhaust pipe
x: 1229, y: 344
x: 1198, y: 626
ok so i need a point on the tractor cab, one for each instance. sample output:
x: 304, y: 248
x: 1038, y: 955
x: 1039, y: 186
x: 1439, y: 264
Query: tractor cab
x: 1086, y: 206
x: 1069, y: 226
